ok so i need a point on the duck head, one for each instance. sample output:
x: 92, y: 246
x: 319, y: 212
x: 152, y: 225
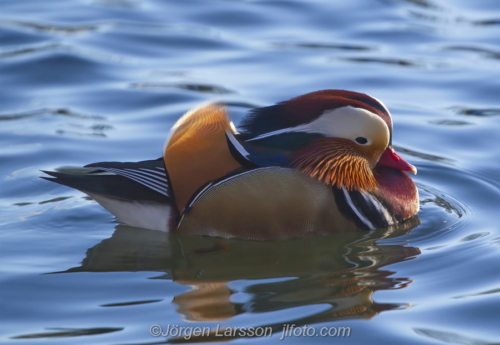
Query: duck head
x: 337, y: 137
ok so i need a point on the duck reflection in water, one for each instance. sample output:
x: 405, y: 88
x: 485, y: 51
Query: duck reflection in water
x: 340, y: 270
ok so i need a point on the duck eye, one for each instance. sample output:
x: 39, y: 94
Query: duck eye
x: 361, y: 140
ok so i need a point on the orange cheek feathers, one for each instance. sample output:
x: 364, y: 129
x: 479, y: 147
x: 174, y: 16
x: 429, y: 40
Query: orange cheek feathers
x: 336, y: 162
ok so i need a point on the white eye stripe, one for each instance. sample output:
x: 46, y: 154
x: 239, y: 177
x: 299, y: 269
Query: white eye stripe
x: 345, y: 122
x: 279, y: 131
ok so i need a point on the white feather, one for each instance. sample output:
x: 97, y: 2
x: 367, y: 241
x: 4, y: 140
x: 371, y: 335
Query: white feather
x: 345, y: 122
x: 147, y: 215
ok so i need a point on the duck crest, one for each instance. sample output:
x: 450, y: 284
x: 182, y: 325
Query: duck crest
x: 197, y: 151
x: 306, y: 108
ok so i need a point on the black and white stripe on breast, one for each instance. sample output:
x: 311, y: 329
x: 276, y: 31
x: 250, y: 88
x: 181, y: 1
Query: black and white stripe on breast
x: 363, y: 208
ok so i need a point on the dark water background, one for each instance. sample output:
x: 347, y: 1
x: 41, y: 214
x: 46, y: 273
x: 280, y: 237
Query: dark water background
x: 94, y: 80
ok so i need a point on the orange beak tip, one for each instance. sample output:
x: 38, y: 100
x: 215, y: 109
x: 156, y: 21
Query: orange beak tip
x: 413, y: 169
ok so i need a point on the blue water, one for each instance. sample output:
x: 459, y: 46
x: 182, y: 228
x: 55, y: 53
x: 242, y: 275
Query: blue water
x: 84, y: 81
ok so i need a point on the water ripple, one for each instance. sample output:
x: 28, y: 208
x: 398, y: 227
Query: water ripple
x: 450, y: 337
x: 423, y: 3
x: 56, y: 29
x: 203, y: 88
x: 49, y: 111
x: 313, y: 45
x: 68, y: 332
x: 485, y: 112
x: 442, y: 201
x: 22, y: 51
x: 386, y: 61
x: 126, y: 304
x: 451, y: 123
x: 486, y: 22
x: 142, y: 63
x: 425, y: 156
x: 489, y: 53
x: 117, y: 3
x: 54, y: 47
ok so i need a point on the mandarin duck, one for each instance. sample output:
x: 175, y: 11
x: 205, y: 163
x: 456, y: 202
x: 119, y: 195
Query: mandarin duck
x: 319, y: 163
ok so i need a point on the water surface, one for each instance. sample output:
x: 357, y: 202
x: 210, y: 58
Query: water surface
x: 104, y: 80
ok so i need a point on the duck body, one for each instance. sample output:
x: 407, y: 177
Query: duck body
x: 319, y: 163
